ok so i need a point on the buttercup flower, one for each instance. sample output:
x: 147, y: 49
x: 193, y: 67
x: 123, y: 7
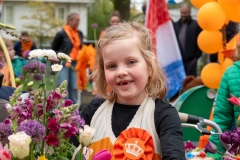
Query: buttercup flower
x: 19, y: 144
x: 42, y: 158
x: 56, y: 67
x: 86, y: 135
x: 64, y: 57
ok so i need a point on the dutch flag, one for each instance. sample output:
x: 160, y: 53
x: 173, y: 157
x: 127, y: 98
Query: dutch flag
x: 167, y: 50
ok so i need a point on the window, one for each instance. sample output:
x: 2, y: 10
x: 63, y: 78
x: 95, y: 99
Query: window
x: 61, y: 13
x: 9, y: 14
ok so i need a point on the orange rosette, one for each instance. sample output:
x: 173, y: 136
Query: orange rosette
x: 134, y: 143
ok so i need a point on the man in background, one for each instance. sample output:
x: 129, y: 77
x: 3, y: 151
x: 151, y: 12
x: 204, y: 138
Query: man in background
x: 69, y: 41
x: 187, y: 31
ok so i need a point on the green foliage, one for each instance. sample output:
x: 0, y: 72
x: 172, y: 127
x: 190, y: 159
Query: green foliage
x: 173, y: 6
x: 99, y: 13
x: 45, y: 23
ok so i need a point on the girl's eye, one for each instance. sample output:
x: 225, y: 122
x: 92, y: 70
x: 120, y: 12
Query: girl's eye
x: 131, y: 62
x: 111, y: 66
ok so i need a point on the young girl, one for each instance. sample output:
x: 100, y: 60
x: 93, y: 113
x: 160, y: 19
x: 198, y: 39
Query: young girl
x: 134, y: 110
x: 225, y: 113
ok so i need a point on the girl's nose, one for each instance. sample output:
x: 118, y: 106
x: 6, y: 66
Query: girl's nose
x: 122, y: 73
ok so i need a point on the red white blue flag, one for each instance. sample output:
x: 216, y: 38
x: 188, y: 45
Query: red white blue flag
x: 167, y: 51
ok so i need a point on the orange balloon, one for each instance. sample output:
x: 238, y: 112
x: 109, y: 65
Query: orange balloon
x: 199, y: 3
x: 211, y: 75
x: 210, y: 41
x: 211, y: 16
x: 229, y: 3
x: 221, y: 57
x: 233, y: 12
x: 227, y: 62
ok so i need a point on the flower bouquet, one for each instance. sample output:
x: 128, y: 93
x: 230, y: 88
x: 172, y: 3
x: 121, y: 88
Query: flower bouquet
x: 40, y: 126
x: 192, y: 151
x: 229, y: 137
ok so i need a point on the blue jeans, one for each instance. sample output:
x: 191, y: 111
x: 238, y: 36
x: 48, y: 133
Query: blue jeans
x: 70, y: 75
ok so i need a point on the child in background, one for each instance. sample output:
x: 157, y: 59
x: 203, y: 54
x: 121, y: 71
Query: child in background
x: 126, y: 64
x: 17, y: 62
x: 225, y: 113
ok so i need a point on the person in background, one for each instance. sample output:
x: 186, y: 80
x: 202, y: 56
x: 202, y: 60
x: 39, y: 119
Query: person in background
x: 26, y: 43
x: 69, y: 41
x: 187, y: 31
x: 125, y: 62
x: 225, y: 113
x: 115, y: 18
x: 17, y: 62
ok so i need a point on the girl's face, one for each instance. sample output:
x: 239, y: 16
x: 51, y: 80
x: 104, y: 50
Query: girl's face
x: 114, y: 20
x: 11, y: 52
x: 126, y: 71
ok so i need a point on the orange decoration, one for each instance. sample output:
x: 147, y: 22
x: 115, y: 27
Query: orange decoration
x: 221, y: 57
x: 199, y: 3
x: 210, y: 41
x: 227, y: 63
x: 134, y: 143
x: 228, y: 53
x: 211, y: 75
x: 211, y: 16
x: 233, y: 12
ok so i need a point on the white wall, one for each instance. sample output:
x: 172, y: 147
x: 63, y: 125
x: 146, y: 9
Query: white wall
x: 20, y: 9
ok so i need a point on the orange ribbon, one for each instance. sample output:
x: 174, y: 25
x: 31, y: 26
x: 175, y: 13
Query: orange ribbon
x: 134, y: 143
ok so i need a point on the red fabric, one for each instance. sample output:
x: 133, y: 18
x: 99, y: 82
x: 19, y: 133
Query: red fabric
x: 157, y: 14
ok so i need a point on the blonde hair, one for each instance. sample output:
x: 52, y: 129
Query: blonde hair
x: 236, y: 55
x: 7, y: 42
x: 156, y: 86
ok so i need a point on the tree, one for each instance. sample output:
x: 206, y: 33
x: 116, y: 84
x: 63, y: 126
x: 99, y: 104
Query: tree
x: 123, y: 6
x: 46, y: 24
x: 99, y: 13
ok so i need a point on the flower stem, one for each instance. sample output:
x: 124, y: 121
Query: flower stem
x: 95, y: 36
x: 31, y: 151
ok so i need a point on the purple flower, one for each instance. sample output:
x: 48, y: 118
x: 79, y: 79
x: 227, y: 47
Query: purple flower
x: 5, y: 131
x: 236, y: 138
x: 211, y: 147
x: 34, y: 66
x: 94, y: 25
x: 226, y: 137
x: 38, y: 77
x: 189, y: 146
x: 34, y: 129
x: 1, y: 65
x: 53, y: 125
x: 76, y: 119
x: 67, y: 103
x: 26, y: 54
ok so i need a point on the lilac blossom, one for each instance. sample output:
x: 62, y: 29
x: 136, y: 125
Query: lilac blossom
x: 34, y: 66
x: 26, y: 54
x: 1, y: 65
x: 76, y: 119
x: 34, y: 129
x: 5, y: 131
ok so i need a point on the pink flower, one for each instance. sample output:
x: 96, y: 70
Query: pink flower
x: 4, y: 153
x: 103, y: 154
x: 53, y: 125
x: 234, y: 100
x: 52, y: 140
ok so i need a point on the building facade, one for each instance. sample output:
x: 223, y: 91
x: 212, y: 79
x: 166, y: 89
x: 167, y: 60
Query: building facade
x: 14, y: 10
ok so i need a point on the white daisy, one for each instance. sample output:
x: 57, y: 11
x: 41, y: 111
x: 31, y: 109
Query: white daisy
x: 64, y: 57
x: 36, y: 53
x: 51, y: 54
x: 56, y: 67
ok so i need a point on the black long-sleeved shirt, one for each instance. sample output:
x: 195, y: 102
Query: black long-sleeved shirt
x: 167, y: 122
